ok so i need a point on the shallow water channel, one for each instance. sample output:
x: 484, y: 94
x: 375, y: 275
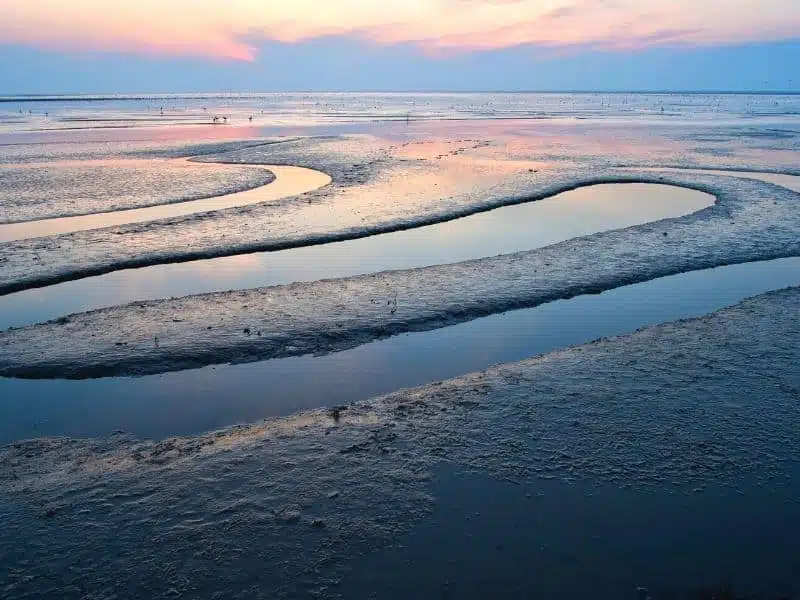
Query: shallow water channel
x: 503, y: 230
x: 190, y: 402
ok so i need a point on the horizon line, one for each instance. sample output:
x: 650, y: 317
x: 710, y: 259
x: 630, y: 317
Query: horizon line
x: 99, y: 96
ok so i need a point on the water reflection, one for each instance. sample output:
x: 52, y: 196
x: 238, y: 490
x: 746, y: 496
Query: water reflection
x: 189, y: 402
x: 289, y: 181
x: 501, y: 231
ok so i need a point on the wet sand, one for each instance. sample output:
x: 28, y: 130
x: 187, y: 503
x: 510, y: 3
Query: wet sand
x: 791, y: 182
x: 751, y: 221
x: 288, y: 182
x: 655, y: 416
x: 380, y: 185
x: 47, y: 189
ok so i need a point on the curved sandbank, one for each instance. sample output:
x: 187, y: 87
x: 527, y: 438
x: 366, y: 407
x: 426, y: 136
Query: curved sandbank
x: 196, y: 401
x: 289, y: 181
x: 751, y: 221
x: 70, y: 187
x: 346, y: 210
x: 504, y: 230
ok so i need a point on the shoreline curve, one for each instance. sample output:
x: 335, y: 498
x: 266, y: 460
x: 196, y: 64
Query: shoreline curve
x: 680, y: 178
x: 286, y: 181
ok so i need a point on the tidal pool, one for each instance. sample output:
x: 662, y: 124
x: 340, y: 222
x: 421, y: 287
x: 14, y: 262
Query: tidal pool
x: 504, y: 230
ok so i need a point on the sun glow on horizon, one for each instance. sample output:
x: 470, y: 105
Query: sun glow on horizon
x: 232, y: 30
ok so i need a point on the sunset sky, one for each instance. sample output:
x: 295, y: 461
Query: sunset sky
x: 197, y: 45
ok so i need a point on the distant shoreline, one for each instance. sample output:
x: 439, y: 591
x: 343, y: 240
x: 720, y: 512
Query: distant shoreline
x: 89, y: 97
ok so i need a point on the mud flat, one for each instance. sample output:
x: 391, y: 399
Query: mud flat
x: 751, y: 221
x: 598, y: 454
x: 791, y: 182
x: 376, y: 188
x: 703, y: 404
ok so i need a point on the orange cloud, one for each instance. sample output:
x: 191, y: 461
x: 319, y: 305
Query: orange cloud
x: 222, y: 29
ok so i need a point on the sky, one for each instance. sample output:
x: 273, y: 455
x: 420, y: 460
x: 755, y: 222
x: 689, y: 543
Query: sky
x: 105, y: 46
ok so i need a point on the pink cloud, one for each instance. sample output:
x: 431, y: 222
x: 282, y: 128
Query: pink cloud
x: 219, y: 29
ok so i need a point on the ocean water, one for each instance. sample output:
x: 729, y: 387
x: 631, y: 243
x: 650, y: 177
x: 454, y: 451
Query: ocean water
x: 31, y: 113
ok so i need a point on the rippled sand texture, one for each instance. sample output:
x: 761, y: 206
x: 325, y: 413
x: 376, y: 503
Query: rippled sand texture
x: 380, y: 185
x: 306, y: 497
x: 188, y: 402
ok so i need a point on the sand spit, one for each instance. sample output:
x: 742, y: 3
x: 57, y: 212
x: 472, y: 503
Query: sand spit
x: 285, y: 182
x: 751, y: 221
x: 271, y: 510
x: 31, y: 192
